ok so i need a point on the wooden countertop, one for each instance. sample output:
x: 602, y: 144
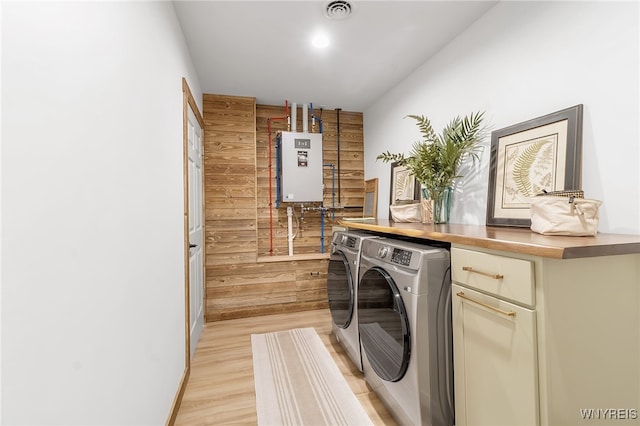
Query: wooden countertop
x: 515, y: 240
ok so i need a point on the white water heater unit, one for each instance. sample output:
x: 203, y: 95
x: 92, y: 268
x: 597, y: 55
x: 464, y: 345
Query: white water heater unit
x: 300, y: 172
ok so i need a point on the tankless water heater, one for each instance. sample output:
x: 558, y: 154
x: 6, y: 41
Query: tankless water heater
x: 300, y: 167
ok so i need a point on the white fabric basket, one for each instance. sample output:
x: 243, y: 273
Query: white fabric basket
x: 565, y: 216
x: 406, y: 212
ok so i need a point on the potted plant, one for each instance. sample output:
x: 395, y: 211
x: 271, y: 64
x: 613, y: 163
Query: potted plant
x: 436, y: 159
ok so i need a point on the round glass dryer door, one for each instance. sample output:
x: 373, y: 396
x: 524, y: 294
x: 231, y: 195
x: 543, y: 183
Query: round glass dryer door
x: 340, y: 289
x: 383, y: 325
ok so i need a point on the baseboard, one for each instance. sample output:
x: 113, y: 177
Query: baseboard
x: 178, y: 399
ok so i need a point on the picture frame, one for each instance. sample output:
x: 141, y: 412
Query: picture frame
x: 405, y: 188
x: 544, y: 153
x: 370, y: 208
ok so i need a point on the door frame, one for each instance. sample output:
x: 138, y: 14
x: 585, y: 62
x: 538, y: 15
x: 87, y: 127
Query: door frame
x: 188, y: 102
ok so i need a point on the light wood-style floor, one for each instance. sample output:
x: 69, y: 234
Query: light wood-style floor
x: 221, y: 391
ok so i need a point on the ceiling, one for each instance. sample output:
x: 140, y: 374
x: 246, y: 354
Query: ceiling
x: 263, y: 48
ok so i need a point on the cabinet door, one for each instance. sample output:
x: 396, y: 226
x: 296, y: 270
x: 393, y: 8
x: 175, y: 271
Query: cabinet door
x: 495, y: 361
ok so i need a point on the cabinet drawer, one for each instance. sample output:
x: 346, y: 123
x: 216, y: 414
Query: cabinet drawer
x: 504, y: 277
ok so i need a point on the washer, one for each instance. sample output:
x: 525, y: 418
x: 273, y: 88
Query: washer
x: 342, y: 289
x: 404, y: 315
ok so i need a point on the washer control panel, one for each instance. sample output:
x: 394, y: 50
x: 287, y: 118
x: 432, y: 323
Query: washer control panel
x: 401, y: 257
x: 348, y: 241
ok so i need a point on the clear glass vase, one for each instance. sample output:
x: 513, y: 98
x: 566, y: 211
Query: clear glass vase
x: 441, y: 203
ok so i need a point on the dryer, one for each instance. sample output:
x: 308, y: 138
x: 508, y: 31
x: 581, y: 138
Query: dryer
x: 404, y: 315
x: 342, y: 290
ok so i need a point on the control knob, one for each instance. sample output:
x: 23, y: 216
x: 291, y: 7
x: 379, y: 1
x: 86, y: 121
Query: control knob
x: 382, y: 251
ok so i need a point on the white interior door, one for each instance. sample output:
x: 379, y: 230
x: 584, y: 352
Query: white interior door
x: 196, y: 267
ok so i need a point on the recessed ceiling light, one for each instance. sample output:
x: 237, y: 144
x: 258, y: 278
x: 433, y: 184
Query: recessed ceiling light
x: 320, y: 41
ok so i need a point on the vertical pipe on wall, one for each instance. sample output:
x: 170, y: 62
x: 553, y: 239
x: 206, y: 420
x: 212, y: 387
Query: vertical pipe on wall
x: 313, y: 119
x: 320, y: 129
x: 278, y: 147
x: 305, y: 118
x: 338, y: 147
x: 290, y: 229
x: 294, y: 117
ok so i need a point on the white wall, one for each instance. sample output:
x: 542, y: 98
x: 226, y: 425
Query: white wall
x: 523, y: 60
x: 92, y: 220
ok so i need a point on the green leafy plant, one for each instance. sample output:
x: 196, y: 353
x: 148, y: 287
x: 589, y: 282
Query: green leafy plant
x: 436, y: 159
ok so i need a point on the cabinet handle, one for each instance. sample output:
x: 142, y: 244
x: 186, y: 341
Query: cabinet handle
x: 486, y: 274
x: 500, y: 311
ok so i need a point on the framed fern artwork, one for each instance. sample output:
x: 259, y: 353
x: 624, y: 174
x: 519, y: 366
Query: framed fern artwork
x: 540, y: 154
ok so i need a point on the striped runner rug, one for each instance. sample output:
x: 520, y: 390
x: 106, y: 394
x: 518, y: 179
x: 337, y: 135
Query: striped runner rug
x: 298, y: 383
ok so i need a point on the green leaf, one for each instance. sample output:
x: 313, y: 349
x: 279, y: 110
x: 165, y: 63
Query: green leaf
x: 435, y: 160
x: 388, y: 157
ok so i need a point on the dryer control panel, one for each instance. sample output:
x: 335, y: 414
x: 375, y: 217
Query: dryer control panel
x: 401, y: 257
x: 400, y: 253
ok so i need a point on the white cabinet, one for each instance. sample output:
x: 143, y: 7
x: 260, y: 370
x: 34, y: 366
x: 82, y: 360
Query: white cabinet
x: 495, y: 361
x: 545, y: 341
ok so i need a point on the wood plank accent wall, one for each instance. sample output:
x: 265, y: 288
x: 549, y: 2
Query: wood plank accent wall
x: 247, y: 271
x: 229, y: 179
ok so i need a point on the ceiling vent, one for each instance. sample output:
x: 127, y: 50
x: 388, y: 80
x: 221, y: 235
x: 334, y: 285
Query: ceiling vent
x: 337, y: 10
